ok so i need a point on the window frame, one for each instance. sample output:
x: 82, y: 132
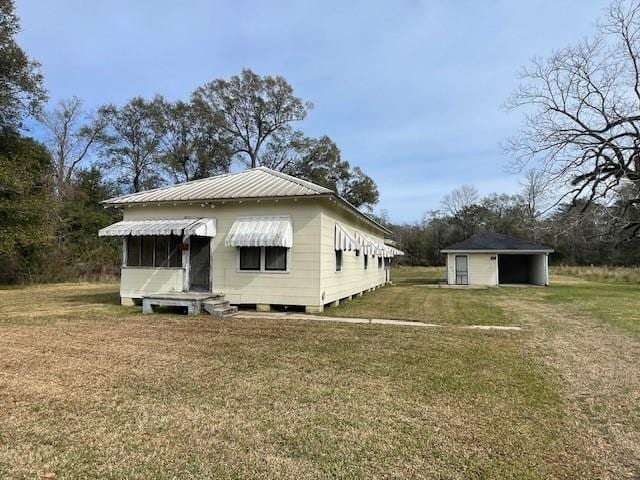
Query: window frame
x: 263, y: 262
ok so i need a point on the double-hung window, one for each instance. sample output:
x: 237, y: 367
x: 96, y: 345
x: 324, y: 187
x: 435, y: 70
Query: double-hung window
x: 263, y: 259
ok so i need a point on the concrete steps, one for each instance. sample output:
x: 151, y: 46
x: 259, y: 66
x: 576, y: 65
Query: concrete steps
x: 218, y: 307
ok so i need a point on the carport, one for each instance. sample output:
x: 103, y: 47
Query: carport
x: 490, y: 258
x: 519, y: 268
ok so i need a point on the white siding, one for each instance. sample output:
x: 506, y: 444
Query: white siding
x: 482, y: 269
x: 299, y: 286
x: 353, y: 278
x: 138, y: 281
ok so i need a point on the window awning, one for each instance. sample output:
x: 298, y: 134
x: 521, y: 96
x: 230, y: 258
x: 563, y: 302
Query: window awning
x: 391, y: 251
x: 205, y: 227
x: 260, y: 232
x: 344, y: 240
x: 368, y: 246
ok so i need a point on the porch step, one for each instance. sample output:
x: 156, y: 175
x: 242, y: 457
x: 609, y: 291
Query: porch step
x: 218, y: 308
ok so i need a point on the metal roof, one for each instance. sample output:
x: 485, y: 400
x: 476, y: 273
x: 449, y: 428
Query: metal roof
x: 260, y: 232
x: 490, y: 241
x: 253, y: 183
x: 260, y: 182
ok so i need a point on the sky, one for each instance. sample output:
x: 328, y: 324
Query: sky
x: 411, y: 91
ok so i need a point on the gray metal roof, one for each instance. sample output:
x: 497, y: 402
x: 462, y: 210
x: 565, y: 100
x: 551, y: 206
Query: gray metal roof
x: 488, y: 241
x: 260, y: 182
x: 252, y: 183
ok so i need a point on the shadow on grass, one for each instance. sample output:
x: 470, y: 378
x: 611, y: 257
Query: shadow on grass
x: 103, y: 298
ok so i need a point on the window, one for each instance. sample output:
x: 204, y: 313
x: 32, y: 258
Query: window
x: 249, y: 258
x: 379, y: 262
x: 338, y: 260
x: 357, y: 253
x: 366, y: 261
x: 175, y: 254
x: 275, y: 259
x: 161, y: 251
x: 263, y: 259
x: 133, y: 251
x: 146, y: 257
x: 154, y: 251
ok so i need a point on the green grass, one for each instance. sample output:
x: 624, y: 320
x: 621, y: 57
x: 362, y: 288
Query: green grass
x: 412, y: 298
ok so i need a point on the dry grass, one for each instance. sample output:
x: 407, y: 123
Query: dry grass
x: 601, y: 274
x: 89, y: 389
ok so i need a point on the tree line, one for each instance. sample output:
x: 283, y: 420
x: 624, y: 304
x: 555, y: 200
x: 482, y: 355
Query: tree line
x: 579, y: 232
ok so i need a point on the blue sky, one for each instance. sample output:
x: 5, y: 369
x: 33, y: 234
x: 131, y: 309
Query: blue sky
x: 411, y: 91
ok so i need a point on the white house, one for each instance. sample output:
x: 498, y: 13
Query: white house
x: 495, y: 259
x: 259, y: 237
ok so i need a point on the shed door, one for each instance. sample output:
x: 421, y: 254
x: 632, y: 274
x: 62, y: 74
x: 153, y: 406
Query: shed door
x: 200, y: 267
x: 462, y: 270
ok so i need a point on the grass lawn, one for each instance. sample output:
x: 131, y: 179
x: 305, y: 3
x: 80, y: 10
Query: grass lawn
x: 90, y: 389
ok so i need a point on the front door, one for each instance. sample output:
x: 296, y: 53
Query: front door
x: 200, y: 264
x: 462, y: 270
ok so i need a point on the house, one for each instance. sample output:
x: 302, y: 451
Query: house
x: 495, y: 259
x: 259, y: 237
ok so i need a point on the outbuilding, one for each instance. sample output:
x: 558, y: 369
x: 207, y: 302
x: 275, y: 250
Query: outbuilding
x: 257, y: 237
x: 494, y: 259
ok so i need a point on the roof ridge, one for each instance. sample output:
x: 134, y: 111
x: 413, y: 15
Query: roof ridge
x: 291, y: 178
x: 197, y: 180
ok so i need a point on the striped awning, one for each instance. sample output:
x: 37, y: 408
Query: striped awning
x: 366, y: 245
x: 260, y: 232
x: 391, y: 251
x: 205, y: 227
x: 344, y: 240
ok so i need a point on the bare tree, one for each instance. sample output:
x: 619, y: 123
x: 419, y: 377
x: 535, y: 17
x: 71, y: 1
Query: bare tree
x: 72, y: 133
x: 460, y: 198
x: 582, y: 122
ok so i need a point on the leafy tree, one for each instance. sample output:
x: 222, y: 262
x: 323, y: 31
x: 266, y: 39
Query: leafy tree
x: 21, y: 89
x: 25, y: 207
x: 583, y: 115
x: 194, y: 145
x: 252, y: 109
x: 132, y: 142
x: 319, y: 161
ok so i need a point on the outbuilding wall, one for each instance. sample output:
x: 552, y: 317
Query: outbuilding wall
x: 483, y: 268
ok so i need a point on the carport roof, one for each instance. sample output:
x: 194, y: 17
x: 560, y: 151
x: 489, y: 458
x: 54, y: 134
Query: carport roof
x: 495, y: 242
